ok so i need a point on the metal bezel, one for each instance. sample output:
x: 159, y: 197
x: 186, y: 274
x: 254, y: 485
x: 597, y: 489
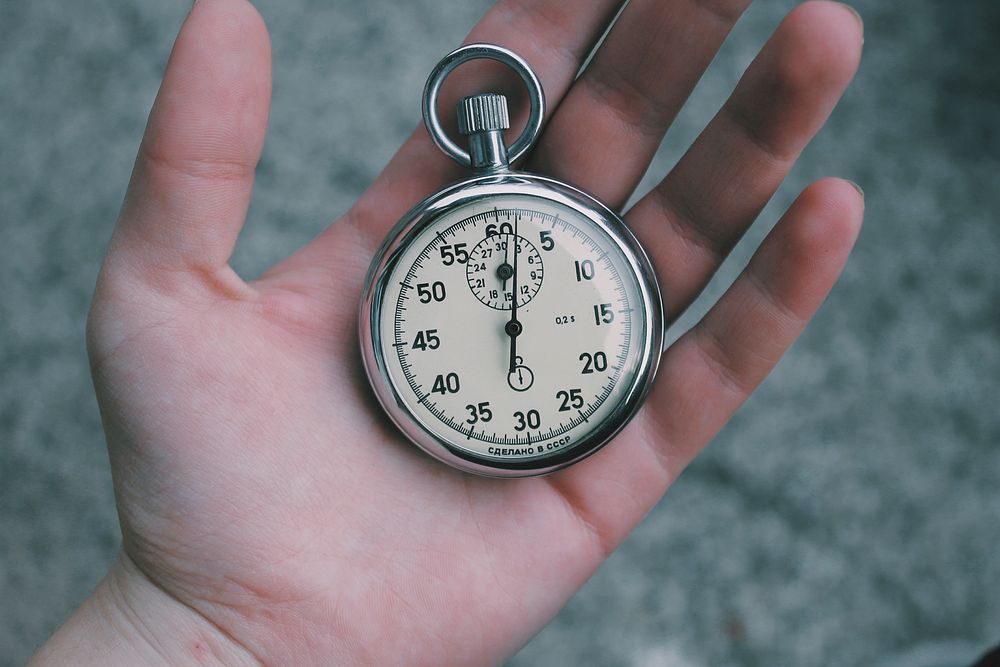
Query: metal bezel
x: 469, y: 191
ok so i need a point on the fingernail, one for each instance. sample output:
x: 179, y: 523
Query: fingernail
x: 857, y: 187
x: 852, y: 10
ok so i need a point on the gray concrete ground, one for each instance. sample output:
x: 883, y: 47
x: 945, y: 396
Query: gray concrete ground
x: 850, y: 511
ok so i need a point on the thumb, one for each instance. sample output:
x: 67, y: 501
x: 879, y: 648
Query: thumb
x: 193, y: 176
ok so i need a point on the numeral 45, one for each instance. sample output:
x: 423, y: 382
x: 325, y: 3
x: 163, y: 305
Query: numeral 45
x: 426, y: 340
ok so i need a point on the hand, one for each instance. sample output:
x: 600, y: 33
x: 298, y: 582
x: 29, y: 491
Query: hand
x: 513, y: 327
x: 269, y: 510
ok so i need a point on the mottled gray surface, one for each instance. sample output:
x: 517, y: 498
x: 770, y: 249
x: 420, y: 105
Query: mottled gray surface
x: 852, y: 508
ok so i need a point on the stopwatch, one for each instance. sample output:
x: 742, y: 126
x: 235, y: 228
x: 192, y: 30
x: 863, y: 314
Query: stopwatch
x: 511, y: 324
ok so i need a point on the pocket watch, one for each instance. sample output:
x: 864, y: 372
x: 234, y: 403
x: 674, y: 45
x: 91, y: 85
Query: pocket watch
x: 511, y: 324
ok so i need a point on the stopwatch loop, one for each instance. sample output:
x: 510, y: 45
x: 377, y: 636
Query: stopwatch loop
x: 489, y: 160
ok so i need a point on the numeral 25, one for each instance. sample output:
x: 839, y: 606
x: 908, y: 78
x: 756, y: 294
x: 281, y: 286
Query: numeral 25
x: 571, y: 398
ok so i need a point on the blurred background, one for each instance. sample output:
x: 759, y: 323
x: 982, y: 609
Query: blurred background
x: 850, y: 511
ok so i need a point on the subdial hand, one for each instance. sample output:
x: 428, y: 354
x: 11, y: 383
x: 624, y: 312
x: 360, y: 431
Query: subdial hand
x: 505, y: 270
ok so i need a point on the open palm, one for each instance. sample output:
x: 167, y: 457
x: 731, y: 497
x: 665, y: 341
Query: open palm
x: 259, y: 484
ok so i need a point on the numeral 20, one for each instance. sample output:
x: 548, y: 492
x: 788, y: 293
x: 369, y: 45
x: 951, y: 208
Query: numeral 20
x: 598, y: 361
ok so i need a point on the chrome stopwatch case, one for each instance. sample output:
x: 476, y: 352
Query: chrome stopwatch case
x: 511, y: 324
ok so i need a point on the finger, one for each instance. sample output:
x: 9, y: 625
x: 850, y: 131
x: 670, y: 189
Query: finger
x: 192, y: 179
x: 611, y: 122
x: 708, y: 373
x: 691, y: 220
x: 553, y: 36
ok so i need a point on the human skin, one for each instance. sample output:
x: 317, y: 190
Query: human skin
x: 270, y: 513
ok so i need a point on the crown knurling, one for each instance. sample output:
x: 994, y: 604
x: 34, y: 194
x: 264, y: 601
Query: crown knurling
x: 482, y: 113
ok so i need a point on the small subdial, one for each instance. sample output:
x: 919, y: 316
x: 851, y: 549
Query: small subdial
x: 495, y: 270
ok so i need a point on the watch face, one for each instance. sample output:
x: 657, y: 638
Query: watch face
x: 514, y: 331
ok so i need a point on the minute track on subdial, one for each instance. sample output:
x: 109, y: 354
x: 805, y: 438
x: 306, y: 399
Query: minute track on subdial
x: 490, y: 270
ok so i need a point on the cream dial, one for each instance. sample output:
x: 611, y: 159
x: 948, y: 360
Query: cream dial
x: 509, y: 328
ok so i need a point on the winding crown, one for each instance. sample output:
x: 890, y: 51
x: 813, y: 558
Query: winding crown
x: 482, y: 113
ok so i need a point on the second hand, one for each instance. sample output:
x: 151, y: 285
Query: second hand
x: 513, y: 327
